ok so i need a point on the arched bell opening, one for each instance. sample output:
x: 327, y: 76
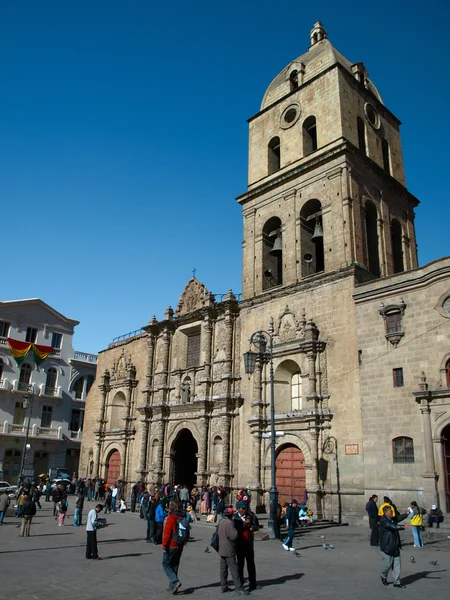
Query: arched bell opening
x: 311, y: 238
x: 272, y: 249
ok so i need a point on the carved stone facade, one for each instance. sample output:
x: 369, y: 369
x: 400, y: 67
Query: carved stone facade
x: 330, y: 274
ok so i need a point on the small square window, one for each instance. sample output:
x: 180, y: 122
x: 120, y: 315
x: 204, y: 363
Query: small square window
x: 56, y: 340
x: 398, y: 377
x: 31, y: 335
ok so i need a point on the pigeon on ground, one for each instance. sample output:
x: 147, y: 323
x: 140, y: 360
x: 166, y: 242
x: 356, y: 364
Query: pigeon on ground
x: 412, y: 559
x: 322, y: 537
x: 434, y: 563
x: 325, y: 546
x: 297, y: 554
x: 331, y: 546
x: 206, y: 549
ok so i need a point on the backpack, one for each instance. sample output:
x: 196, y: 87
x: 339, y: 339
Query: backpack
x: 181, y: 535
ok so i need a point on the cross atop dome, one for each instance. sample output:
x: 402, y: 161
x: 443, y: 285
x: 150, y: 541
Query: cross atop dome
x: 318, y: 33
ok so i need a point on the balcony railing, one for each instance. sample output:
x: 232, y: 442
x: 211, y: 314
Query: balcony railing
x: 35, y: 431
x: 91, y: 358
x: 3, y: 341
x: 55, y: 351
x: 23, y: 387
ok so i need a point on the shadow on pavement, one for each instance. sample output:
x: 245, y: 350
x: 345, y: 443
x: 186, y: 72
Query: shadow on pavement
x: 261, y: 582
x: 56, y: 533
x: 420, y: 575
x: 125, y: 555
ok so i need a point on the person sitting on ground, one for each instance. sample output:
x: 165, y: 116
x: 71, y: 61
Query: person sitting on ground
x: 435, y: 516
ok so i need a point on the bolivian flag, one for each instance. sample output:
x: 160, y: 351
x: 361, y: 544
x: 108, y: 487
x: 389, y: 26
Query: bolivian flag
x: 21, y: 350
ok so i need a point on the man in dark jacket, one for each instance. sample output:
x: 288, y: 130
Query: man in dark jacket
x: 228, y: 537
x: 291, y: 519
x: 372, y: 511
x: 390, y: 545
x: 29, y: 510
x: 245, y: 524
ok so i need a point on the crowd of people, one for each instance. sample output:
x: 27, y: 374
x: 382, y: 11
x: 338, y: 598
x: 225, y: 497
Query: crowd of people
x: 384, y: 524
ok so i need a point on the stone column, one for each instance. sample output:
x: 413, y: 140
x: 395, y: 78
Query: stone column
x: 225, y: 433
x: 144, y: 442
x: 430, y: 469
x: 381, y: 247
x: 202, y: 464
x: 207, y: 345
x: 150, y: 357
x: 104, y: 389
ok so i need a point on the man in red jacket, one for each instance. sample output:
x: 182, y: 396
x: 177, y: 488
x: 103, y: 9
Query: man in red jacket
x: 171, y: 550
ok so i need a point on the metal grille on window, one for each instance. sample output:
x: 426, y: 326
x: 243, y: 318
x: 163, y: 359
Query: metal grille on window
x: 193, y: 351
x: 403, y: 450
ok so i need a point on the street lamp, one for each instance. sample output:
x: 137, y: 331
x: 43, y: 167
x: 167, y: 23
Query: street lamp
x: 27, y: 402
x: 259, y: 340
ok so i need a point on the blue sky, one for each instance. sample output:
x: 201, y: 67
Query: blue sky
x: 124, y: 139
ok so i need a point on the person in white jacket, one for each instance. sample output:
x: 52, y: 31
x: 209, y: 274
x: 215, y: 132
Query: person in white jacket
x: 91, y: 532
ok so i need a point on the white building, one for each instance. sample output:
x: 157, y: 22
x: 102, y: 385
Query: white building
x: 56, y: 390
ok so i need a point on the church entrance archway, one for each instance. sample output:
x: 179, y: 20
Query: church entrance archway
x: 291, y: 477
x: 184, y: 459
x: 446, y: 452
x: 113, y: 467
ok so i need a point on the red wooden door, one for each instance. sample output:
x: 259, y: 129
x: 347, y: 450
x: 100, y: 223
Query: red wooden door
x: 113, y: 467
x: 291, y: 479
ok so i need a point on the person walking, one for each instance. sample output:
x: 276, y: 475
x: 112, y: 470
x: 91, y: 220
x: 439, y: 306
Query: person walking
x: 48, y: 490
x: 291, y: 520
x: 108, y: 501
x: 387, y: 502
x: 29, y: 510
x: 390, y: 545
x: 184, y: 496
x: 150, y: 515
x: 89, y: 489
x: 78, y: 516
x: 160, y: 515
x: 417, y: 523
x: 372, y: 511
x: 4, y: 504
x: 172, y: 551
x: 245, y: 525
x: 91, y: 533
x: 228, y: 538
x: 134, y: 496
x: 63, y: 505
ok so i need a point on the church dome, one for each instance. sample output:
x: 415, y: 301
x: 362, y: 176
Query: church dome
x: 320, y: 56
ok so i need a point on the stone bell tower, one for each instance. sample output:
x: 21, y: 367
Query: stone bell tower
x: 326, y: 184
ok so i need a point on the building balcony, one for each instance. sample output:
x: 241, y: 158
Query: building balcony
x: 4, y: 384
x: 14, y: 429
x: 76, y: 435
x: 3, y: 341
x: 84, y: 357
x: 51, y: 392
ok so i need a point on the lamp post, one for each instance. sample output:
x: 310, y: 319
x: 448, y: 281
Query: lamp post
x: 259, y: 339
x: 27, y: 403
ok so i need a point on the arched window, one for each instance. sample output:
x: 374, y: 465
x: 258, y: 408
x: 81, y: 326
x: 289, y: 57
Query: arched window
x: 284, y: 378
x: 386, y: 158
x: 274, y: 155
x: 397, y: 250
x: 447, y: 372
x: 372, y: 239
x: 296, y: 391
x: 78, y: 388
x: 272, y: 249
x: 293, y: 80
x: 311, y: 238
x: 361, y: 134
x: 403, y: 450
x: 25, y: 377
x: 118, y: 411
x: 217, y: 451
x: 50, y: 384
x: 309, y: 135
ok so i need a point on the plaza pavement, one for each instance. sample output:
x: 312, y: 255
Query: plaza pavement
x: 51, y: 564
